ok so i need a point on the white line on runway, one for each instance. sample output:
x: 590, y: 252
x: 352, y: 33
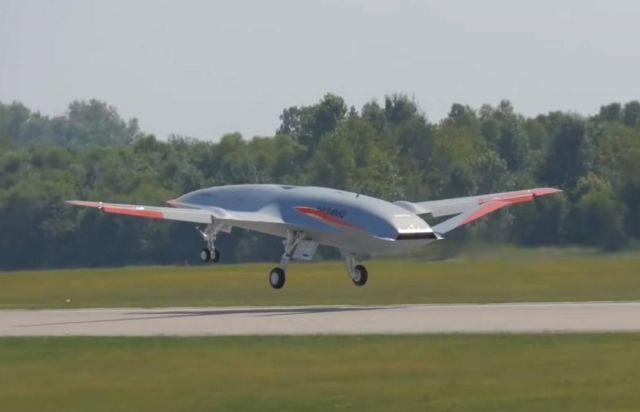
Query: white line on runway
x: 561, y: 317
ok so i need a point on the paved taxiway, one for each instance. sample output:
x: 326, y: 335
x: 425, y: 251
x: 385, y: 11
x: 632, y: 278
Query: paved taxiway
x: 396, y: 319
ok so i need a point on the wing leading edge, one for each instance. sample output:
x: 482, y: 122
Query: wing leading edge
x: 181, y: 214
x: 149, y: 212
x: 467, y: 209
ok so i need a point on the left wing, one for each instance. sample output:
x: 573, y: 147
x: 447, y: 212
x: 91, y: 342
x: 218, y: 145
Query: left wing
x: 182, y: 214
x: 471, y: 208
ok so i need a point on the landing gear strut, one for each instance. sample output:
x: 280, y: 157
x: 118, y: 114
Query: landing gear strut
x: 277, y: 274
x: 358, y: 273
x: 209, y: 253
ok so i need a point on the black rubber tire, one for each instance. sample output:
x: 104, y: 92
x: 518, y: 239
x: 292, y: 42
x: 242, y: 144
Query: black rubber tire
x: 364, y: 275
x: 205, y: 255
x: 215, y: 257
x: 276, y: 278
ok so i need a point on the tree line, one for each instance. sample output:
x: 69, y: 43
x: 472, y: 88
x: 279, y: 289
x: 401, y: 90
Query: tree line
x: 387, y: 149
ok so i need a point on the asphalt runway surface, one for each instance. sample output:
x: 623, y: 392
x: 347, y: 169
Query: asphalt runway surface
x: 595, y: 317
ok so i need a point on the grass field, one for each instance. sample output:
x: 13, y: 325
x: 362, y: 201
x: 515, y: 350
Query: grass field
x: 542, y: 275
x: 435, y: 373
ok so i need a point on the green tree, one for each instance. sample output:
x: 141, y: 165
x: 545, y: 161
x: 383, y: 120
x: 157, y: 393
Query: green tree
x: 308, y: 123
x: 569, y: 154
x: 631, y: 114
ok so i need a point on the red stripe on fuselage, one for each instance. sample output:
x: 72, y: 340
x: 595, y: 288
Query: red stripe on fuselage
x: 324, y: 216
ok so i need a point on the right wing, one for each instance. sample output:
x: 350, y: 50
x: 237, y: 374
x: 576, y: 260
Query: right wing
x: 471, y: 208
x: 182, y: 214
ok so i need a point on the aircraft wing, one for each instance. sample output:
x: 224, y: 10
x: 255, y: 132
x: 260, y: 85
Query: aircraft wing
x: 471, y: 208
x: 181, y: 214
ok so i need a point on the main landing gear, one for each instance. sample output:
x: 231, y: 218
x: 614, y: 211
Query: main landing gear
x: 358, y: 273
x: 209, y: 253
x: 277, y: 275
x: 295, y: 239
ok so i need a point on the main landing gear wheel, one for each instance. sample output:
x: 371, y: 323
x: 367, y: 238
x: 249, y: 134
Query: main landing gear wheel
x: 208, y: 255
x: 276, y: 278
x: 360, y: 275
x: 205, y: 255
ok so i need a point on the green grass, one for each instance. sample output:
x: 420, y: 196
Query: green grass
x: 378, y: 373
x: 543, y: 275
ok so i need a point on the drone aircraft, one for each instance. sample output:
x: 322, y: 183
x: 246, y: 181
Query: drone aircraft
x: 307, y: 216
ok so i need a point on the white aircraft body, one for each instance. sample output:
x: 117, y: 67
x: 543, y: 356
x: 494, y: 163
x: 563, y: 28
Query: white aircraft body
x: 310, y: 216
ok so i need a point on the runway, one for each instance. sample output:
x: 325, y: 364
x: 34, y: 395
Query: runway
x: 597, y: 317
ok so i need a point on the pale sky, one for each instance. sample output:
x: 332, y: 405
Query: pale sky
x: 205, y: 68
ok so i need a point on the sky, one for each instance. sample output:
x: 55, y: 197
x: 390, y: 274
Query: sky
x: 203, y: 68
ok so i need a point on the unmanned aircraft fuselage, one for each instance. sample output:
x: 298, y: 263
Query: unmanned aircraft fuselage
x: 349, y: 221
x: 310, y: 216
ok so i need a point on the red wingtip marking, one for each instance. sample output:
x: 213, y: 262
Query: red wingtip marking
x: 521, y: 196
x: 120, y: 210
x: 84, y: 203
x: 151, y: 214
x: 492, y: 204
x: 543, y: 191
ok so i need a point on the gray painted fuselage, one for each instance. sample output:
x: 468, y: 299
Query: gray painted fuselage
x: 352, y: 222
